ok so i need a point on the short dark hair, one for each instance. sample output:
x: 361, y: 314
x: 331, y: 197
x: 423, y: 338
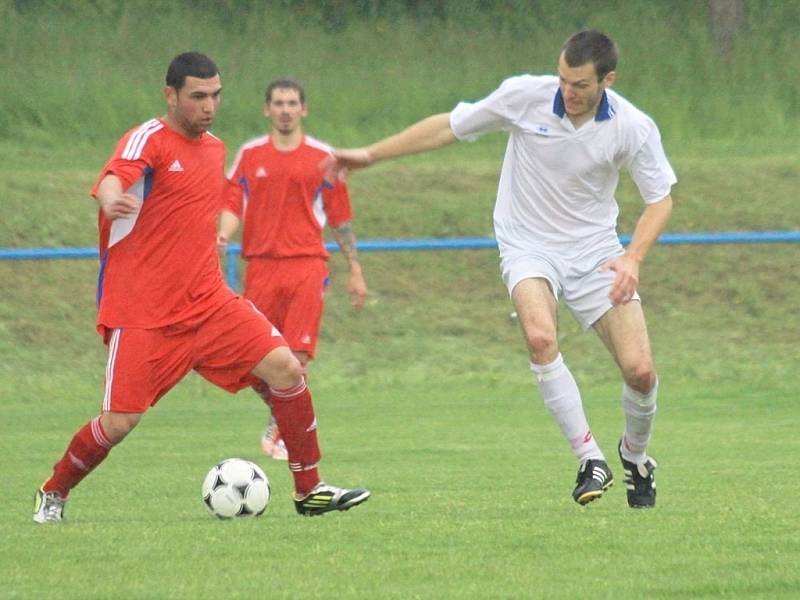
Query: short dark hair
x: 591, y: 46
x: 190, y: 64
x: 285, y: 84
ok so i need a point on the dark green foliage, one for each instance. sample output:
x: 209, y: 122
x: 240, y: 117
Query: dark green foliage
x: 86, y: 71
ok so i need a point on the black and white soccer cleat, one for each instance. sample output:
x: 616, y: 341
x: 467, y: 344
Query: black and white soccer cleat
x: 594, y: 478
x: 640, y: 481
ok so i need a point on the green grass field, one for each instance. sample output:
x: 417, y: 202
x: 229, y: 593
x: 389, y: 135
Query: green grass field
x: 425, y: 396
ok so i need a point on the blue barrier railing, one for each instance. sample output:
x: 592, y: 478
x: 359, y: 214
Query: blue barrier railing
x: 667, y: 239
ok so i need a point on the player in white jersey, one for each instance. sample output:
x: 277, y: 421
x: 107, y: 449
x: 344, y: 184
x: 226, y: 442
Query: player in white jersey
x: 555, y: 223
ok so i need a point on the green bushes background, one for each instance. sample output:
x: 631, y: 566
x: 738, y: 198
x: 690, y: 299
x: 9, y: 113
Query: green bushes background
x: 81, y: 73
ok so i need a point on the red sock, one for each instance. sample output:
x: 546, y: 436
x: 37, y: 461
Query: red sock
x: 86, y: 450
x: 294, y: 413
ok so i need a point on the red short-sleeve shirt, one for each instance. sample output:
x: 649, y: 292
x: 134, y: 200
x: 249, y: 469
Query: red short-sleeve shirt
x: 283, y: 199
x: 159, y: 266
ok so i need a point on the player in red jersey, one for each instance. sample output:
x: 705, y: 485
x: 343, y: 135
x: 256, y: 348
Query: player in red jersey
x: 163, y: 307
x: 277, y: 191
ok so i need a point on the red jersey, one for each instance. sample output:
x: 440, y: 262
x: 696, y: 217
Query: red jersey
x: 283, y: 199
x: 159, y: 266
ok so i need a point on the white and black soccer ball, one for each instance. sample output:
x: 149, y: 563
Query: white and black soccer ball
x: 236, y: 488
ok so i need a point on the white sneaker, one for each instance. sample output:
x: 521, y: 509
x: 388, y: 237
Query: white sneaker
x: 272, y: 443
x: 279, y: 451
x: 48, y: 507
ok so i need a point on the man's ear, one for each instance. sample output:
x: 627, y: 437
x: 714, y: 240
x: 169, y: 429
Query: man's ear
x: 171, y: 94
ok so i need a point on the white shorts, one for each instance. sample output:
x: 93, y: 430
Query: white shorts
x: 575, y: 279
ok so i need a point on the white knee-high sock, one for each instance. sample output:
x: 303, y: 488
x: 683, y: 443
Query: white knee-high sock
x: 640, y: 411
x: 563, y: 400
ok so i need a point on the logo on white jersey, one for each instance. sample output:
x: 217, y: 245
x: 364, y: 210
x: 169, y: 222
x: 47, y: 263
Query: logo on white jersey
x: 176, y: 166
x: 261, y: 172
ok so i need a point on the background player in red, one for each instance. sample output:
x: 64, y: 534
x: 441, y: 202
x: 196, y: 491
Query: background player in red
x: 163, y: 307
x: 277, y: 190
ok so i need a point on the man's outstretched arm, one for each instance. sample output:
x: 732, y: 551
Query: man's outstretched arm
x: 430, y: 133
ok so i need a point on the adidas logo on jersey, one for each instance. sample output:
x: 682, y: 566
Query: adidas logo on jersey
x: 261, y: 172
x: 176, y: 166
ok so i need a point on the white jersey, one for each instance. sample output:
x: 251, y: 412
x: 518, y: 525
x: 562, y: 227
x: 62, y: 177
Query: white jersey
x: 557, y: 183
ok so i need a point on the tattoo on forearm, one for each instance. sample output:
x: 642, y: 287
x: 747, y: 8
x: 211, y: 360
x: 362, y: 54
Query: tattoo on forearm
x: 347, y: 240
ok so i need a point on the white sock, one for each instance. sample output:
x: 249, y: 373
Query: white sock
x: 640, y: 411
x: 563, y: 400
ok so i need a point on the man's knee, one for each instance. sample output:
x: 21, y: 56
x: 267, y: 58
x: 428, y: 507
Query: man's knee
x: 542, y: 344
x: 280, y: 369
x: 291, y: 372
x: 117, y: 425
x: 641, y: 376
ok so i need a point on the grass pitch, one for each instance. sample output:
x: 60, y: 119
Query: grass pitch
x: 425, y: 398
x: 471, y: 498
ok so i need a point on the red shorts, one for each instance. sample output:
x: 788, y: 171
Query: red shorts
x: 144, y: 364
x: 291, y: 293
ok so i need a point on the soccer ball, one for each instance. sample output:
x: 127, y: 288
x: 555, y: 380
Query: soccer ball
x: 236, y: 488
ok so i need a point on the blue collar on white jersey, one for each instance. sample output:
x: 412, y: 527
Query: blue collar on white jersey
x: 604, y: 109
